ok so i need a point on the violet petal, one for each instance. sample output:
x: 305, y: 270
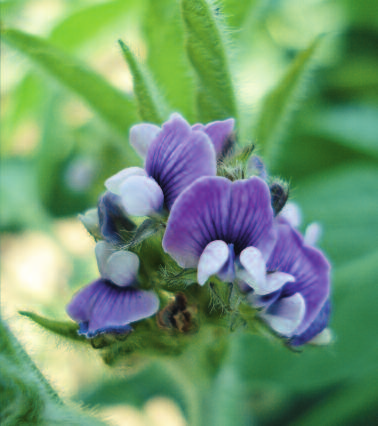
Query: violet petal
x: 105, y: 307
x: 113, y: 218
x: 219, y: 133
x: 178, y: 156
x: 315, y: 328
x: 307, y: 265
x: 214, y: 208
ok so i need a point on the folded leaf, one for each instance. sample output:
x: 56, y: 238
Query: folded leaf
x: 205, y: 48
x: 279, y: 103
x: 62, y: 328
x: 166, y: 57
x: 149, y: 105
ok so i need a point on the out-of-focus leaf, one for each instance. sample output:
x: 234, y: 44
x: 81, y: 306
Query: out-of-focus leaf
x: 154, y: 380
x: 83, y: 25
x: 19, y: 202
x: 355, y: 404
x: 114, y: 106
x: 344, y: 201
x: 279, y: 103
x: 166, y: 55
x: 150, y: 107
x: 66, y: 329
x: 353, y: 354
x: 228, y: 404
x: 353, y: 126
x: 205, y: 47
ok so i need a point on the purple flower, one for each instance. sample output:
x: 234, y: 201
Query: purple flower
x: 225, y: 228
x: 220, y: 133
x: 300, y: 308
x: 113, y: 219
x: 111, y: 303
x: 175, y: 156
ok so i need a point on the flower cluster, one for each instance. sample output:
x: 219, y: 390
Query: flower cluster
x: 237, y: 231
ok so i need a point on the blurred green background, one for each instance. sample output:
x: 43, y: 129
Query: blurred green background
x: 56, y: 152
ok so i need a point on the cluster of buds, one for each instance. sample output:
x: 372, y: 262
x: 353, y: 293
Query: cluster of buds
x: 213, y: 212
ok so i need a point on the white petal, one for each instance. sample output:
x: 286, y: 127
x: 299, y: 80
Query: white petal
x: 141, y: 137
x: 276, y: 280
x: 103, y: 251
x: 286, y: 314
x: 122, y: 268
x: 323, y: 338
x: 313, y: 233
x: 141, y: 196
x: 115, y: 182
x: 292, y: 213
x: 212, y: 259
x: 254, y: 272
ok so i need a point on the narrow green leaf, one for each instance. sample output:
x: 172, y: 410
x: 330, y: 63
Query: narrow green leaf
x: 62, y: 328
x: 351, y: 405
x: 206, y: 50
x: 113, y: 106
x: 279, y: 103
x: 83, y: 25
x: 166, y: 56
x: 149, y: 104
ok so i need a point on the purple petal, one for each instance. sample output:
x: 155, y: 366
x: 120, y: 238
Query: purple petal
x: 263, y: 301
x: 214, y: 208
x: 250, y: 221
x: 219, y: 133
x: 285, y: 315
x: 142, y: 136
x: 315, y: 328
x: 141, y: 196
x: 113, y: 218
x: 307, y: 265
x: 212, y: 260
x: 178, y: 156
x: 105, y: 307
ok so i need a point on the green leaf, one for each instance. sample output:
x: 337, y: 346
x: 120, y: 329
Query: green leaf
x: 27, y: 397
x: 150, y: 107
x: 85, y: 24
x: 353, y: 126
x: 66, y: 329
x: 113, y: 106
x: 206, y: 50
x: 166, y: 57
x: 355, y: 404
x: 344, y: 202
x: 278, y: 104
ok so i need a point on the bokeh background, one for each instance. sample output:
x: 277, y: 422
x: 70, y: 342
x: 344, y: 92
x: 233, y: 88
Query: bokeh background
x: 56, y: 153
